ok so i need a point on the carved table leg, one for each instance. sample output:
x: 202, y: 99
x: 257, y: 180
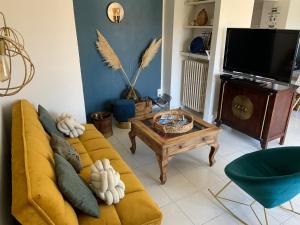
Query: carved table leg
x: 282, y: 139
x: 213, y: 150
x: 218, y: 123
x: 132, y: 139
x: 163, y: 164
x: 264, y: 144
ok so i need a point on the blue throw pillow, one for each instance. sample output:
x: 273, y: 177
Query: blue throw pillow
x: 74, y: 189
x: 48, y: 122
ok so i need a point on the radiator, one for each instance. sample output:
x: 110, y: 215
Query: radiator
x: 194, y: 85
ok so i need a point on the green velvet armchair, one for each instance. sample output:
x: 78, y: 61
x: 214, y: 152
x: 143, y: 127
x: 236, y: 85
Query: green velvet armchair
x: 271, y: 177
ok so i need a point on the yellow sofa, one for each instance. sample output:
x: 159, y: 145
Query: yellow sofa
x: 35, y: 196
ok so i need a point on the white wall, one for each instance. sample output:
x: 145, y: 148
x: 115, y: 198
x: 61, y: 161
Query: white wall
x: 179, y: 36
x: 232, y: 13
x: 48, y: 28
x: 168, y: 15
x: 284, y: 6
x: 293, y: 17
x: 174, y: 36
x: 257, y: 13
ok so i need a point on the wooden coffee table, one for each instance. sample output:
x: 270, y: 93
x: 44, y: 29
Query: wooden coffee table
x: 166, y: 147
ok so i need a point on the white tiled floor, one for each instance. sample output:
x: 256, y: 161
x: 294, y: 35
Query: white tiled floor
x: 184, y: 199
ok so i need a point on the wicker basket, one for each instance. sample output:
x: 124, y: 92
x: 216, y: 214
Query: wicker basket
x: 168, y: 129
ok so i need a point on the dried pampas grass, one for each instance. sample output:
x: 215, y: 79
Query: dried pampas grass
x: 150, y: 53
x: 108, y: 54
x: 110, y: 57
x: 113, y: 61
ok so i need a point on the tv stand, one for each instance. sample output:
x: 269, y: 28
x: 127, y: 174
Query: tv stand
x: 260, y: 111
x: 253, y: 81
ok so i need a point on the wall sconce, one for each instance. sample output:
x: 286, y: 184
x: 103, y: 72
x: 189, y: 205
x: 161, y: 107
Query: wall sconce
x: 115, y: 12
x: 12, y: 49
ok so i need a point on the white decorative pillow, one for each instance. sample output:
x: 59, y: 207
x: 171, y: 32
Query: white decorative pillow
x: 106, y: 182
x: 68, y: 125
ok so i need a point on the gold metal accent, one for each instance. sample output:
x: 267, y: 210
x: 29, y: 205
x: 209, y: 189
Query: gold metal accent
x: 296, y: 103
x: 124, y: 125
x: 251, y: 206
x: 218, y: 198
x: 242, y: 107
x: 290, y: 210
x: 266, y: 217
x: 222, y: 98
x: 265, y: 115
x: 12, y: 46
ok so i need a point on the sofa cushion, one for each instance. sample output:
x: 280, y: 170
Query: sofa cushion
x: 48, y: 122
x: 73, y: 188
x: 109, y: 216
x: 63, y: 148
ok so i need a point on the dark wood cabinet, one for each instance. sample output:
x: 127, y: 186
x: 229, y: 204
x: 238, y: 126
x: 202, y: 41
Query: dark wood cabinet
x: 258, y: 110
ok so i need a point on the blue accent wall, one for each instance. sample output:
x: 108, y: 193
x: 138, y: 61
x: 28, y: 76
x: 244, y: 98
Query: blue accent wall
x: 141, y: 24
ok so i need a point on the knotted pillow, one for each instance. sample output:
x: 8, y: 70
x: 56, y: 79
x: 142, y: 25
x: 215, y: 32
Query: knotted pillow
x: 106, y: 182
x: 68, y: 125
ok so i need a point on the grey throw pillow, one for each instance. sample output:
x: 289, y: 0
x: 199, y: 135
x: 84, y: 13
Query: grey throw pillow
x: 48, y: 122
x: 63, y: 148
x: 74, y: 189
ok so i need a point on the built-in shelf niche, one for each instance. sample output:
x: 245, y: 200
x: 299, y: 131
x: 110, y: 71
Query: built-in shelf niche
x: 199, y: 2
x: 203, y: 57
x: 192, y: 31
x: 198, y: 27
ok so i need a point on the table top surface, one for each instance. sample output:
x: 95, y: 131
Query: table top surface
x: 144, y: 124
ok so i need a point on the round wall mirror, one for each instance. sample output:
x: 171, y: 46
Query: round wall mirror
x: 115, y: 12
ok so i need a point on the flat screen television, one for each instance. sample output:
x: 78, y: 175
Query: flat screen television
x: 262, y: 52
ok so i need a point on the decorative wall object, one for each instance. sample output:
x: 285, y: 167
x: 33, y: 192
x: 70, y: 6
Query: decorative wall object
x: 201, y: 44
x: 273, y: 17
x: 147, y: 57
x: 242, y: 107
x: 115, y: 12
x: 113, y: 61
x: 197, y: 45
x: 111, y: 58
x: 11, y: 49
x: 202, y: 18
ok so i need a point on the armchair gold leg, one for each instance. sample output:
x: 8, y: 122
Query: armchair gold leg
x: 251, y: 206
x: 292, y: 210
x: 218, y: 198
x: 266, y: 217
x: 291, y: 205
